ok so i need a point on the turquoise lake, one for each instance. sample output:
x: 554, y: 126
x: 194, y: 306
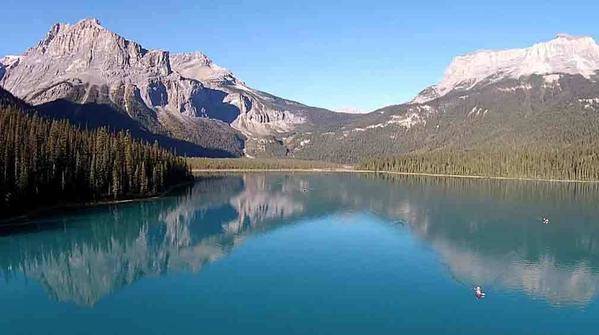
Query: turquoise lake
x: 302, y: 253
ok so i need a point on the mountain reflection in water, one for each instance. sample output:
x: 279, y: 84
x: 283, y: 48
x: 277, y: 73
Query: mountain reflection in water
x: 486, y: 232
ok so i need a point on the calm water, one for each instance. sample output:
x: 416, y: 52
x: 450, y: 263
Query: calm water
x: 312, y: 254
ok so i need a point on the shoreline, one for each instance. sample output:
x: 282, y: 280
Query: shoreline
x: 25, y: 218
x: 342, y: 170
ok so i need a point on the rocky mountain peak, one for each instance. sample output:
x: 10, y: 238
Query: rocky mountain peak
x: 196, y: 65
x: 83, y: 52
x: 9, y: 60
x: 564, y: 54
x: 77, y: 30
x: 78, y: 69
x: 54, y: 30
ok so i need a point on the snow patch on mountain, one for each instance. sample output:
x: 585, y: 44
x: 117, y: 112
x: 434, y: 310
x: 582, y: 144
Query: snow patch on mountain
x: 350, y: 110
x: 477, y: 111
x: 304, y: 142
x: 405, y: 121
x: 510, y: 89
x: 590, y: 103
x: 552, y: 78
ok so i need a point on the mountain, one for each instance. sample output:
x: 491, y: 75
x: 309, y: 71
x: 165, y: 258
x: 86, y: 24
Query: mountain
x: 118, y: 122
x: 95, y: 77
x: 545, y: 96
x: 7, y: 99
x: 565, y: 54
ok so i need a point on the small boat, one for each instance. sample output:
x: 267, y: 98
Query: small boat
x: 545, y: 221
x: 478, y: 292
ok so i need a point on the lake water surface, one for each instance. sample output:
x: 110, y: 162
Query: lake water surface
x: 273, y: 253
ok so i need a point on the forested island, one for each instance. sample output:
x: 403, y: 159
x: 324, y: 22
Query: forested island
x: 51, y: 162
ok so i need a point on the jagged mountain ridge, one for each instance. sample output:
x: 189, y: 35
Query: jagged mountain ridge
x: 95, y: 77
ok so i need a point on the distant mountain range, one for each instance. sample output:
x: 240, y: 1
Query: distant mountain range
x: 545, y: 95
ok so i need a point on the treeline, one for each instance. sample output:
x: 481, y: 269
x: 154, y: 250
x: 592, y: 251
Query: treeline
x: 45, y: 162
x: 256, y: 164
x: 575, y: 162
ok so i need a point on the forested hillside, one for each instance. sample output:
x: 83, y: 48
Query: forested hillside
x: 574, y: 162
x: 45, y: 162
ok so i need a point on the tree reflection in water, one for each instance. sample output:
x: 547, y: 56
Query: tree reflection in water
x: 487, y: 232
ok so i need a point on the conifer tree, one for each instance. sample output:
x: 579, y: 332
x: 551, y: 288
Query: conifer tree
x: 44, y: 162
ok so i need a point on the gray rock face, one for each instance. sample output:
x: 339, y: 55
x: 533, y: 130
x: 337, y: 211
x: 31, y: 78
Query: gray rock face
x: 254, y: 114
x: 564, y: 54
x: 169, y: 94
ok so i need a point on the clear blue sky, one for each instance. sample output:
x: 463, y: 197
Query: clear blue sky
x: 333, y: 54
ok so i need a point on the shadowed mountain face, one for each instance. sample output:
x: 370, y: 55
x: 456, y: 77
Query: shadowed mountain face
x: 183, y: 96
x: 94, y: 115
x: 7, y: 99
x: 486, y: 232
